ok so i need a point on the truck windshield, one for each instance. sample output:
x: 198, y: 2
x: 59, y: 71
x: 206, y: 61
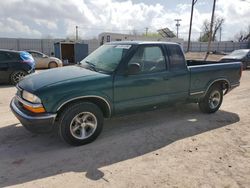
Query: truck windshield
x: 106, y: 58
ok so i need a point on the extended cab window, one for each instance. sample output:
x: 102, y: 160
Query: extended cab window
x: 176, y: 58
x: 150, y: 58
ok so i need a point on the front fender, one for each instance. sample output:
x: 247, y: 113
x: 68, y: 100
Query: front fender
x: 59, y: 103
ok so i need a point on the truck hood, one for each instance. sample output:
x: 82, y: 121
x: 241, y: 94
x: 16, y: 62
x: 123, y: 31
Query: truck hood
x: 46, y: 78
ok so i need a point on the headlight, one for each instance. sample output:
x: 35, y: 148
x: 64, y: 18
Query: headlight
x: 31, y: 97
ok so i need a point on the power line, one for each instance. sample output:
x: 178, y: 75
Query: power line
x: 76, y: 33
x: 210, y: 33
x: 146, y: 30
x: 177, y: 26
x: 191, y: 22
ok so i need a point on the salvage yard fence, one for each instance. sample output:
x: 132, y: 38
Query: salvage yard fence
x: 216, y: 46
x: 47, y: 45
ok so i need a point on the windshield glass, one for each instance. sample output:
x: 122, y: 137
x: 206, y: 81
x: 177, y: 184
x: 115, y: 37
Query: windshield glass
x: 239, y: 53
x: 105, y: 58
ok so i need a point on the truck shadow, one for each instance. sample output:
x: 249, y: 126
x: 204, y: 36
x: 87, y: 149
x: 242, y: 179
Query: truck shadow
x: 26, y: 157
x: 6, y: 86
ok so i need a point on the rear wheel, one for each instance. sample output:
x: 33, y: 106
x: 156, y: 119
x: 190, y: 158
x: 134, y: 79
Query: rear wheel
x: 53, y: 65
x: 212, y: 101
x: 81, y: 123
x: 16, y: 76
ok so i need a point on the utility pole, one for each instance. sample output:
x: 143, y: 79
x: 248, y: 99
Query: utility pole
x: 211, y: 31
x: 177, y: 26
x: 220, y: 33
x: 191, y: 22
x: 146, y: 31
x: 76, y: 33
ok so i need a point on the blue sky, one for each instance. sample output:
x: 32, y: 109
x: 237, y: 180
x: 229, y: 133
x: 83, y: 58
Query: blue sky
x: 58, y: 18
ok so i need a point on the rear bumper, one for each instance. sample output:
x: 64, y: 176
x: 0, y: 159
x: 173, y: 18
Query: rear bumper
x: 33, y: 122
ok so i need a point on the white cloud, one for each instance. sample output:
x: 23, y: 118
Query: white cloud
x: 15, y: 27
x: 41, y: 18
x: 46, y: 23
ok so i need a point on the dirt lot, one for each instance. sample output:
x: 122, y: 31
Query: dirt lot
x: 174, y: 147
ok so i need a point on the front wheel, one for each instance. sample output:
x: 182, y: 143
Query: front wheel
x: 80, y: 123
x: 212, y: 101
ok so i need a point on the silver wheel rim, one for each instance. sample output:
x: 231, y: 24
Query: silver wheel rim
x: 17, y: 76
x: 214, y: 99
x: 83, y: 125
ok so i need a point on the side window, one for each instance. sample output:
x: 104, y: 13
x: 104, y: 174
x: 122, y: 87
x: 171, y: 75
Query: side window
x: 4, y: 56
x: 34, y: 54
x: 177, y: 60
x: 150, y: 58
x: 248, y: 55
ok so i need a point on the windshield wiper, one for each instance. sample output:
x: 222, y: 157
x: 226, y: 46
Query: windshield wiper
x: 91, y: 65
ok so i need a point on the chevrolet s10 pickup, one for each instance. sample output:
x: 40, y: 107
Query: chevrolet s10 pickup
x: 119, y: 78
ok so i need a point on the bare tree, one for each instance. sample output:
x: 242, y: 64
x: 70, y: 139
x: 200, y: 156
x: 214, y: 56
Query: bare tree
x: 243, y: 35
x: 206, y: 29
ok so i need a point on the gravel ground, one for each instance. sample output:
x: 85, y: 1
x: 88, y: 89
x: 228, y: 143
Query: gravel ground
x: 174, y: 147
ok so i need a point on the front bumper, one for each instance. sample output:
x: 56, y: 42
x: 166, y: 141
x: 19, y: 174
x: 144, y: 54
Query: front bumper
x: 38, y: 123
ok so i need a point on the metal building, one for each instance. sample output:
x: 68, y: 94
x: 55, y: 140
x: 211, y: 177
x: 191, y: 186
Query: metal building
x: 71, y: 52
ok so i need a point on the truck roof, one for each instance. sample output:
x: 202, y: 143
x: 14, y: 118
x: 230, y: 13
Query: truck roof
x: 141, y: 42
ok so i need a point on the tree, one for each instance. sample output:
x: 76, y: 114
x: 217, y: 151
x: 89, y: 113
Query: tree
x: 206, y: 29
x: 243, y: 35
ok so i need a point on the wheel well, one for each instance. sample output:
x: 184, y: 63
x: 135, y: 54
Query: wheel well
x: 97, y: 101
x: 52, y: 62
x: 224, y: 84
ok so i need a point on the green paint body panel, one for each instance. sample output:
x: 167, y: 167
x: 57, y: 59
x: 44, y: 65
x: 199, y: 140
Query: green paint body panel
x: 128, y: 93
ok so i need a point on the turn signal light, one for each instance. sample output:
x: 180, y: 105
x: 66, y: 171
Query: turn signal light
x: 35, y: 110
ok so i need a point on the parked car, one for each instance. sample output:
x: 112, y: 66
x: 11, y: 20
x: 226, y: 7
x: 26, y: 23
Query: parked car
x: 14, y: 65
x: 44, y: 61
x: 242, y: 55
x: 119, y: 78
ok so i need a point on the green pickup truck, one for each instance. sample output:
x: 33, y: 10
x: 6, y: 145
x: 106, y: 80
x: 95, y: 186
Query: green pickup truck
x: 119, y: 78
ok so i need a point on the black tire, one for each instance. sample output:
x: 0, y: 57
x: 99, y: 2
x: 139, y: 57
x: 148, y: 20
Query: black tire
x: 213, y: 99
x: 244, y: 64
x: 16, y: 76
x: 52, y: 65
x: 67, y: 123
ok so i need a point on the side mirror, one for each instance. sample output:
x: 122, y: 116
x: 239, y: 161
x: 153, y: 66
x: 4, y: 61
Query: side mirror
x: 134, y: 68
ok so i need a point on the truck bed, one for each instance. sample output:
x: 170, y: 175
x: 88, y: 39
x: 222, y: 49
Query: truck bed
x: 207, y: 71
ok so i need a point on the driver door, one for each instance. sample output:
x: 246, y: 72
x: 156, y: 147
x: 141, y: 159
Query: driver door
x: 148, y: 87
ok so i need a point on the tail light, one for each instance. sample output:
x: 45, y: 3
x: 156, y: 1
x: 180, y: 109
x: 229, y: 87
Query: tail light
x: 26, y: 61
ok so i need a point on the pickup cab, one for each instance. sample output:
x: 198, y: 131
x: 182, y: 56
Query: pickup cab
x: 119, y: 78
